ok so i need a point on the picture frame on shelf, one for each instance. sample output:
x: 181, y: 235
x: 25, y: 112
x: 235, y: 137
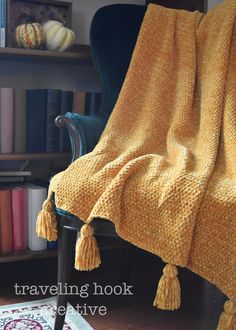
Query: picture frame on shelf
x: 40, y: 11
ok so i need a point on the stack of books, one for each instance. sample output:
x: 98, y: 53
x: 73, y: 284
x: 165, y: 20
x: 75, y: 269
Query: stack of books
x: 43, y: 106
x: 14, y: 176
x: 19, y: 207
x: 27, y: 118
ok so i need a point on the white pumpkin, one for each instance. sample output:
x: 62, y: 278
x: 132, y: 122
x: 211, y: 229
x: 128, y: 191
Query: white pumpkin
x: 57, y: 36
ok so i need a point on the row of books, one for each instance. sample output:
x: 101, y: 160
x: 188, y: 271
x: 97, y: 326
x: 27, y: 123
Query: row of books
x: 14, y: 176
x: 27, y: 118
x: 19, y: 206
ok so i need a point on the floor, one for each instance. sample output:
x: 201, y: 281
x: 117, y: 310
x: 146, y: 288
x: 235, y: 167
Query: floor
x: 201, y: 302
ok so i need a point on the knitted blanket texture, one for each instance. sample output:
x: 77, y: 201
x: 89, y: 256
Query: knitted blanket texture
x: 164, y: 170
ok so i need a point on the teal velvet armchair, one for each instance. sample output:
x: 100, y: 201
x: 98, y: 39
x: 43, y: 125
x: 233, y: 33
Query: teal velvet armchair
x: 113, y: 35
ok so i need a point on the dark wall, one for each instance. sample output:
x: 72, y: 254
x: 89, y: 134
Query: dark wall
x: 190, y: 5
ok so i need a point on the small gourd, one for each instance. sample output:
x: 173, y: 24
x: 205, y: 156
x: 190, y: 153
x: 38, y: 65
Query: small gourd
x: 30, y: 35
x: 57, y: 36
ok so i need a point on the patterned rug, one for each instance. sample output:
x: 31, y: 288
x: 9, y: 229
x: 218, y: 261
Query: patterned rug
x: 38, y: 315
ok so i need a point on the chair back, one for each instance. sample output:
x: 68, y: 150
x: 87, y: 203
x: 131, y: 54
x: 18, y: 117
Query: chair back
x: 113, y: 33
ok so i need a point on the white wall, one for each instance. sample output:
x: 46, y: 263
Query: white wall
x: 212, y: 3
x: 83, y: 11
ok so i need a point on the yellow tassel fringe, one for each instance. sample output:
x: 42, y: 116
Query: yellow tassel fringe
x: 46, y: 226
x: 168, y: 295
x: 228, y: 316
x: 87, y: 253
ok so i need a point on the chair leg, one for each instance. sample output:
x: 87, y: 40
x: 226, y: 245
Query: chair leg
x: 126, y: 264
x: 66, y: 254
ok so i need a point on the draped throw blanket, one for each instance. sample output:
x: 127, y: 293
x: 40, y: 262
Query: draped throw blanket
x: 164, y: 170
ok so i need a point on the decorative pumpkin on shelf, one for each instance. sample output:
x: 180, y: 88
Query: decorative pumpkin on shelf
x: 30, y: 35
x: 57, y: 36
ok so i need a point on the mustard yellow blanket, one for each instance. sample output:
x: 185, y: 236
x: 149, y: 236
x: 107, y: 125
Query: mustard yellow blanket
x: 164, y: 170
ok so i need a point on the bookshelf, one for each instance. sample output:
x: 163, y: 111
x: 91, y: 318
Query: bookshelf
x: 24, y: 68
x: 81, y: 55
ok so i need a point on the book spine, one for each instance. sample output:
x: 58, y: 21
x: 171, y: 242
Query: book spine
x: 66, y: 106
x: 6, y: 244
x: 11, y: 179
x: 36, y: 118
x: 20, y: 121
x: 19, y: 218
x: 17, y: 173
x: 3, y: 23
x: 52, y: 111
x: 36, y: 197
x: 79, y: 102
x: 6, y: 120
x: 92, y: 103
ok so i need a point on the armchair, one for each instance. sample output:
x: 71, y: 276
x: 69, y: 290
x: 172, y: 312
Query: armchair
x: 171, y: 178
x: 113, y: 34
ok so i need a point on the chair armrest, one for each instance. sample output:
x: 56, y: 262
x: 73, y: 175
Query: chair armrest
x: 84, y: 131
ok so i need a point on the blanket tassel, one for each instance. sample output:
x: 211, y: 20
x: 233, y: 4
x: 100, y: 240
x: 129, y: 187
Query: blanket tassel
x: 227, y: 319
x: 87, y: 255
x: 168, y: 295
x: 46, y: 226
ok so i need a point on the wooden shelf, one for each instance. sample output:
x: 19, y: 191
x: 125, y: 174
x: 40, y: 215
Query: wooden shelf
x: 26, y: 255
x: 80, y: 55
x: 36, y: 156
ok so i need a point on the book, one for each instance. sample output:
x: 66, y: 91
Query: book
x: 36, y: 197
x: 19, y: 218
x: 3, y: 14
x: 15, y: 173
x: 36, y: 118
x: 6, y: 119
x: 92, y: 103
x: 11, y: 179
x: 43, y: 106
x: 6, y: 241
x: 67, y: 98
x: 79, y: 102
x: 53, y: 108
x: 20, y: 121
